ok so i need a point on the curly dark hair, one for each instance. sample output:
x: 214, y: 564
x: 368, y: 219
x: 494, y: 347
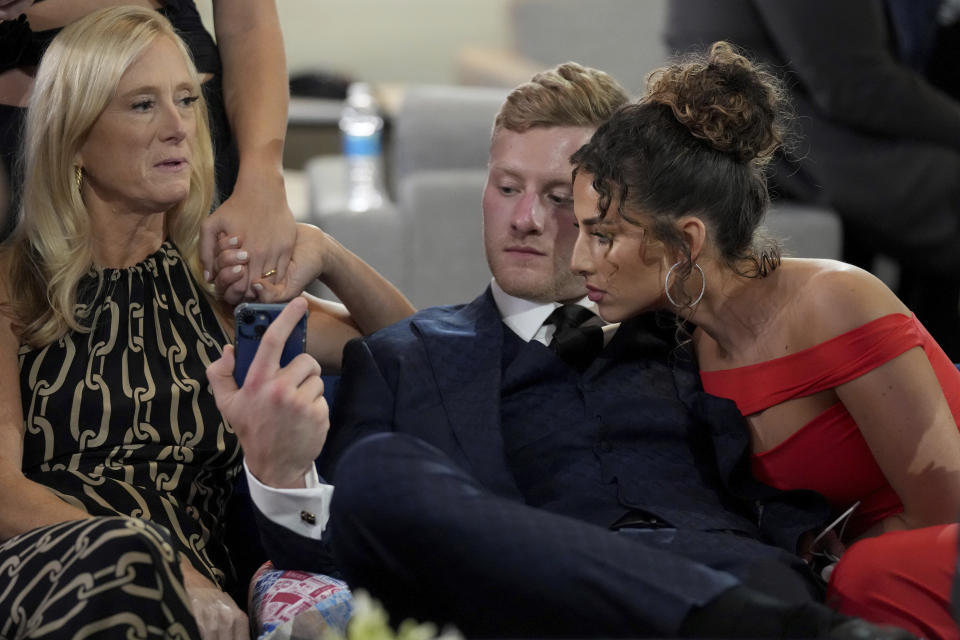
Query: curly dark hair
x: 696, y: 143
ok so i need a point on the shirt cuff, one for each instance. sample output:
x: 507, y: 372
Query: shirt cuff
x: 303, y: 511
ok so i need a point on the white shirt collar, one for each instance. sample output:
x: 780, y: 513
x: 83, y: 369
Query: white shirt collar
x: 525, y: 318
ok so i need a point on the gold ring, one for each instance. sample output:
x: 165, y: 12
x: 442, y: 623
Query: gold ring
x: 267, y: 274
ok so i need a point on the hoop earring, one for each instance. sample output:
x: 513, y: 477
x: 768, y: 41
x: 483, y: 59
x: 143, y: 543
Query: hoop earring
x: 703, y: 286
x: 78, y: 176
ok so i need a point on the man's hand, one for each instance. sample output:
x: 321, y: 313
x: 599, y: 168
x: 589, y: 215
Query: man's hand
x: 217, y: 615
x: 11, y: 9
x: 261, y: 220
x: 822, y: 554
x: 280, y: 414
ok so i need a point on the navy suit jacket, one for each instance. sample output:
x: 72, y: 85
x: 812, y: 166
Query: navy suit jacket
x: 436, y: 376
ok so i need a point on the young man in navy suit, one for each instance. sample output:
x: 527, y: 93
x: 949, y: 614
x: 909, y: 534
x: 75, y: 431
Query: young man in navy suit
x: 482, y: 480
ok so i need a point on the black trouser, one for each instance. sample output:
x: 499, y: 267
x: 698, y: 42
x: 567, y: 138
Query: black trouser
x: 430, y: 542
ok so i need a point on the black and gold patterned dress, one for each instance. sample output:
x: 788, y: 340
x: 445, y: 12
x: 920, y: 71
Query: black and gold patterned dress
x: 120, y: 421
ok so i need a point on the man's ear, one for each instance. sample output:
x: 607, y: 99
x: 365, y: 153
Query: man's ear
x: 694, y: 233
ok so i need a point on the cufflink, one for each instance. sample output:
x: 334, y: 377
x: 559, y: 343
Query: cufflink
x: 309, y: 518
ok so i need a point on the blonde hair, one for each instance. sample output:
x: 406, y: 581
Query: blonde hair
x: 51, y: 248
x: 569, y: 95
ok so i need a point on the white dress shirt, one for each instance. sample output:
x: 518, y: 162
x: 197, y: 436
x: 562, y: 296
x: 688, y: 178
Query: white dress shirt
x: 306, y: 511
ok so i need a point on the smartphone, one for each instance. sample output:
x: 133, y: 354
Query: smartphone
x: 251, y: 320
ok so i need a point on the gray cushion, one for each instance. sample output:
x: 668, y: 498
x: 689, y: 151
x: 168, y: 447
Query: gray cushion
x: 443, y: 127
x: 805, y: 231
x: 445, y: 263
x: 622, y: 37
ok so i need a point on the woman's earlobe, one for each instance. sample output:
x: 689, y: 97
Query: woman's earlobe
x: 694, y: 232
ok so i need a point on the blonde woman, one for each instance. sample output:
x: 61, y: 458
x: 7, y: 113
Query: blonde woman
x: 115, y: 465
x: 244, y: 84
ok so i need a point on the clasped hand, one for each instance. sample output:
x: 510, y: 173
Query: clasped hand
x: 234, y: 268
x: 822, y: 552
x: 261, y: 220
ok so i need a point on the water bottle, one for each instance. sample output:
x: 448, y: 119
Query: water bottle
x: 360, y: 129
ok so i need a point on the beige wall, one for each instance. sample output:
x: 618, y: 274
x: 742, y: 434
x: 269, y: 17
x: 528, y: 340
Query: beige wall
x: 385, y: 40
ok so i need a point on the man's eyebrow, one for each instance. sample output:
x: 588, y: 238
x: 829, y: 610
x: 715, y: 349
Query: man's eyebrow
x: 504, y: 169
x: 519, y: 174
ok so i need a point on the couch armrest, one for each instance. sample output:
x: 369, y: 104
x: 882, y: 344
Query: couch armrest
x: 443, y: 127
x: 445, y: 238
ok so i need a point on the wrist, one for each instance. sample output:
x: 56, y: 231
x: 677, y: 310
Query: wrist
x: 335, y: 261
x: 254, y: 180
x: 289, y: 482
x: 276, y: 479
x: 263, y: 163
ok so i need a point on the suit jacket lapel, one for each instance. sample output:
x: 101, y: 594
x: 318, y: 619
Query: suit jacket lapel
x: 464, y: 350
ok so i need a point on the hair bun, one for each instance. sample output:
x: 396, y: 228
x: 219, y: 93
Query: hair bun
x: 725, y: 100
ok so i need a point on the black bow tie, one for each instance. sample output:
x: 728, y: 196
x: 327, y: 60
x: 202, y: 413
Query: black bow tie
x: 577, y: 345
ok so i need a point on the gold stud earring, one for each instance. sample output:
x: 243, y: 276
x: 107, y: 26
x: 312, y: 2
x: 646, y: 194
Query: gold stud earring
x: 78, y: 176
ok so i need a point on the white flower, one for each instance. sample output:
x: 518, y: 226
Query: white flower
x: 370, y: 621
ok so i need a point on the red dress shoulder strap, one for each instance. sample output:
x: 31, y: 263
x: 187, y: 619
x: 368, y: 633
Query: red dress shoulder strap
x: 823, y: 366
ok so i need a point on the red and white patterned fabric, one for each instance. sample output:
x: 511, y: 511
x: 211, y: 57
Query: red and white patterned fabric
x: 287, y: 605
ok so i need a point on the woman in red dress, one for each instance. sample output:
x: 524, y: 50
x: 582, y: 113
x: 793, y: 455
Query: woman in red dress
x: 843, y: 390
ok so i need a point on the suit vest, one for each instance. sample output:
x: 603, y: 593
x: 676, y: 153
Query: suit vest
x: 617, y: 437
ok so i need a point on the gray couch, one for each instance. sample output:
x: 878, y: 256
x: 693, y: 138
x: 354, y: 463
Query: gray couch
x: 622, y: 37
x: 429, y: 242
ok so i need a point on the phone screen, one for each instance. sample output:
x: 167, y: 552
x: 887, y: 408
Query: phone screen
x: 251, y: 320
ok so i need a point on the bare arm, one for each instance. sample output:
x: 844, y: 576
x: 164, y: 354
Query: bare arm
x: 13, y: 10
x: 373, y: 302
x: 900, y: 410
x: 256, y: 94
x: 24, y: 504
x: 903, y: 415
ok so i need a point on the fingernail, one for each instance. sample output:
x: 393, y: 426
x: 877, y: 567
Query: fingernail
x: 206, y: 275
x: 257, y: 286
x: 241, y: 255
x: 238, y: 268
x: 234, y: 241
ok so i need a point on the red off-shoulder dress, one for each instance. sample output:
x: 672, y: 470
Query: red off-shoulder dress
x: 903, y: 578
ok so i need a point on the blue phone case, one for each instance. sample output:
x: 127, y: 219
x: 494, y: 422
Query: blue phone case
x: 251, y: 320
